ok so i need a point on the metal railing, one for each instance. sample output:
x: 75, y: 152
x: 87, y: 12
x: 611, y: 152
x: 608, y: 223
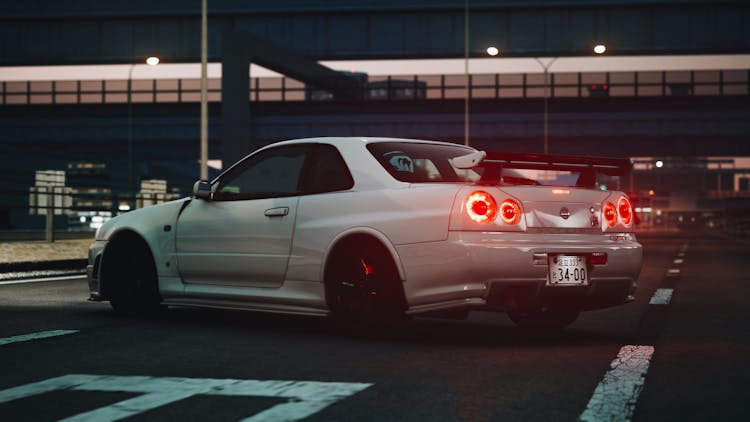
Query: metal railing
x: 390, y: 88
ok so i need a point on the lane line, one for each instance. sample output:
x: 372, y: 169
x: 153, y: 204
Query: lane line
x: 38, y: 280
x: 678, y: 261
x: 672, y: 272
x: 661, y: 297
x: 615, y: 397
x: 35, y: 336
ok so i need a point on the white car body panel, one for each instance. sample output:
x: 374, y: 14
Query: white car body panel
x: 235, y: 242
x: 233, y: 255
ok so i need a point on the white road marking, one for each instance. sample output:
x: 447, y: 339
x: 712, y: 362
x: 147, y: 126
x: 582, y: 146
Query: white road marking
x: 37, y: 280
x: 673, y: 272
x: 681, y: 254
x: 661, y: 297
x: 304, y: 397
x: 35, y: 336
x: 614, y: 399
x: 678, y: 261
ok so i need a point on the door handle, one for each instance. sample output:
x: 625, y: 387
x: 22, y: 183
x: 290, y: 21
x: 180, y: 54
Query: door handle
x: 277, y: 212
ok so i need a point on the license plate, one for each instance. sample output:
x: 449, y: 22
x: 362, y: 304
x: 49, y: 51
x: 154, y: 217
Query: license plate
x: 567, y: 270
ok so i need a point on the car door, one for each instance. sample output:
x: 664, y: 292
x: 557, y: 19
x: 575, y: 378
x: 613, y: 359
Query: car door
x: 242, y: 236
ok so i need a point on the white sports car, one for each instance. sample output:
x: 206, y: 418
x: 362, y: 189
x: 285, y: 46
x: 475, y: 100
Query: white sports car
x: 376, y: 228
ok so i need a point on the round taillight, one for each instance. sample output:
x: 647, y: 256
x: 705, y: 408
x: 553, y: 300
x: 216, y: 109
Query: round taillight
x: 510, y: 211
x: 625, y: 210
x: 481, y: 207
x: 610, y: 214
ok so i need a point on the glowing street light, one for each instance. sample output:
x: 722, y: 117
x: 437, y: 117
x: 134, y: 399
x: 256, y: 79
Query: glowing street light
x: 152, y: 61
x: 659, y: 163
x: 600, y: 48
x: 493, y: 51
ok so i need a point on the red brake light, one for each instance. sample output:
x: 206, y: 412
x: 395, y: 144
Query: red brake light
x: 625, y: 210
x: 610, y: 214
x: 481, y: 207
x: 510, y: 211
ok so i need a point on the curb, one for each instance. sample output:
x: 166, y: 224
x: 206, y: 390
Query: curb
x: 62, y: 264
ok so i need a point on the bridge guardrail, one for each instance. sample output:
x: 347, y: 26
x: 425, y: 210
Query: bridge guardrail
x: 391, y: 88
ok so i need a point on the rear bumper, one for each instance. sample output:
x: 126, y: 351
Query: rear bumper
x: 502, y: 271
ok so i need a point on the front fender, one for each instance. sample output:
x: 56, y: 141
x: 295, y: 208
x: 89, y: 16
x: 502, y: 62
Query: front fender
x: 156, y: 225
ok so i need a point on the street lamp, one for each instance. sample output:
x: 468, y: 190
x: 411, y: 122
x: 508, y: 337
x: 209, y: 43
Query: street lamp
x: 546, y: 67
x: 204, y: 92
x: 466, y: 72
x: 151, y: 61
x: 494, y: 51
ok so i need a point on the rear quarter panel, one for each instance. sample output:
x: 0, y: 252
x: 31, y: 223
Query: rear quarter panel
x: 404, y: 215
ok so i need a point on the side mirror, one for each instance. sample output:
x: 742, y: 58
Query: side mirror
x: 202, y: 190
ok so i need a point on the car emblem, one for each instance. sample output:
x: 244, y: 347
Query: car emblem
x: 564, y: 213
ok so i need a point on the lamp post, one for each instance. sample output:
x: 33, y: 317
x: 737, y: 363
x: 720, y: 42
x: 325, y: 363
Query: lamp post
x: 599, y: 49
x: 546, y: 67
x: 204, y: 93
x: 466, y: 72
x: 151, y: 61
x: 494, y: 51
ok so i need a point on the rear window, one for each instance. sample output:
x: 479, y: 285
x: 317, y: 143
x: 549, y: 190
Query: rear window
x: 422, y: 163
x: 428, y: 163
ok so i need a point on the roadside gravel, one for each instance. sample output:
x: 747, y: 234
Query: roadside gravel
x: 31, y: 251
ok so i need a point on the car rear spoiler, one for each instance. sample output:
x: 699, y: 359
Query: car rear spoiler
x: 605, y: 165
x: 588, y: 166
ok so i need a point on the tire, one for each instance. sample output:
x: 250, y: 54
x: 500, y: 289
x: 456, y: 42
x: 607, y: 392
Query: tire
x: 362, y: 283
x: 130, y: 278
x: 544, y: 319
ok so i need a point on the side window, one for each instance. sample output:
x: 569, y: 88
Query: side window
x: 271, y: 173
x: 327, y: 171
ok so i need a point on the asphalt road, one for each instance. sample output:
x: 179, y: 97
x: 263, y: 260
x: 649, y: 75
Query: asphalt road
x: 688, y: 360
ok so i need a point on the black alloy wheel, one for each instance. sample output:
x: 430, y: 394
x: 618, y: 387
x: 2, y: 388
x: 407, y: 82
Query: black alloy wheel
x: 363, y: 282
x: 131, y: 281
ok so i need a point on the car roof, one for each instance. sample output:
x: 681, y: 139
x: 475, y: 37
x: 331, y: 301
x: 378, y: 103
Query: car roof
x: 365, y: 169
x: 336, y: 140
